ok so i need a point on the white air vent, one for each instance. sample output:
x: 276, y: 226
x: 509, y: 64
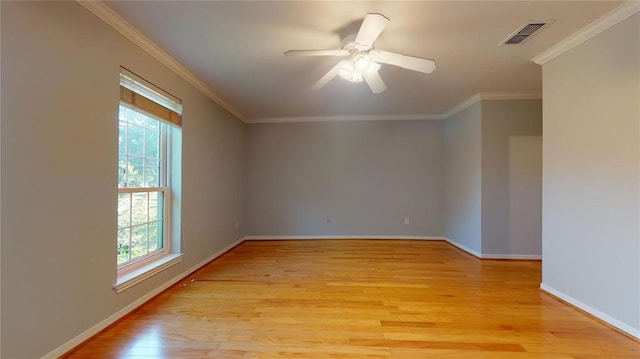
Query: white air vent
x: 524, y: 32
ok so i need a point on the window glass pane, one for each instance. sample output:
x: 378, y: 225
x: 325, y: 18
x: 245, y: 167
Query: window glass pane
x: 124, y: 210
x: 140, y: 225
x: 151, y: 123
x: 122, y: 172
x: 154, y: 214
x: 139, y: 208
x: 124, y: 112
x: 155, y: 236
x: 160, y: 238
x: 152, y: 143
x: 135, y: 140
x: 122, y: 177
x: 135, y: 170
x: 160, y: 205
x: 152, y: 173
x: 134, y: 117
x: 122, y: 138
x: 138, y: 241
x: 124, y: 247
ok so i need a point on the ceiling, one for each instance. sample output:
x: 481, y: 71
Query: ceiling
x: 236, y: 48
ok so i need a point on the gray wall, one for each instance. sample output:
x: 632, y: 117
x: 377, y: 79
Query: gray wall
x: 364, y: 177
x: 511, y: 177
x: 463, y: 190
x: 591, y: 242
x: 60, y: 92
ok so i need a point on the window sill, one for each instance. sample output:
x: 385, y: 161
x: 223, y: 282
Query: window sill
x: 136, y: 276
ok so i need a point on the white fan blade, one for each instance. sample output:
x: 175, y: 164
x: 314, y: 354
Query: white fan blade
x: 317, y: 53
x: 370, y: 29
x: 406, y: 62
x: 328, y: 76
x: 374, y: 81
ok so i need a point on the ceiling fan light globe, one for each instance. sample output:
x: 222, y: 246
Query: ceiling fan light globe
x: 362, y: 63
x: 350, y: 73
x: 356, y: 77
x: 346, y: 70
x: 353, y: 76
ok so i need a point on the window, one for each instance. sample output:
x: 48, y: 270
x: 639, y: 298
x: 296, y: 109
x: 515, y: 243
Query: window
x: 148, y: 117
x: 142, y: 186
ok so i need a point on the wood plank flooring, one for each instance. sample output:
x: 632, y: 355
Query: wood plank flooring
x: 358, y: 299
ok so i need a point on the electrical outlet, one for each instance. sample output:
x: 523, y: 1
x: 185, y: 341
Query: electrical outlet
x: 407, y: 220
x: 237, y: 224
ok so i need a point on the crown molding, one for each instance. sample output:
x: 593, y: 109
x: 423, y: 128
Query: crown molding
x: 510, y: 95
x: 413, y: 117
x: 610, y: 19
x: 462, y: 105
x: 491, y: 96
x: 416, y: 117
x: 111, y: 18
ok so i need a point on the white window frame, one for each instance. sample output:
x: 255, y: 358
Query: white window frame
x: 132, y: 272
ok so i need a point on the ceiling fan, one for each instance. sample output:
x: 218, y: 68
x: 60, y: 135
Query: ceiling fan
x: 363, y: 61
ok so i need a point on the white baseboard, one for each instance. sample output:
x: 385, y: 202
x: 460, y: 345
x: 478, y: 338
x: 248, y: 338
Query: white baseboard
x: 464, y: 248
x: 479, y: 255
x: 79, y: 339
x: 523, y: 257
x: 278, y: 238
x: 634, y: 332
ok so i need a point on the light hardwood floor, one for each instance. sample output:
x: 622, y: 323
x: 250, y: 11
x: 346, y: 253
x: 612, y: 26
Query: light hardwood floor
x: 358, y: 299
